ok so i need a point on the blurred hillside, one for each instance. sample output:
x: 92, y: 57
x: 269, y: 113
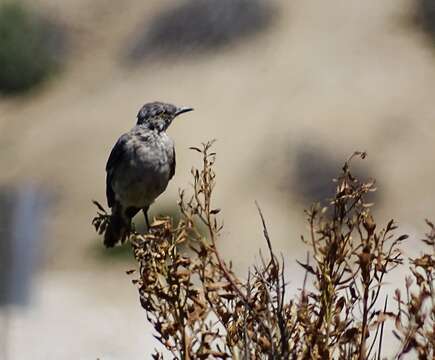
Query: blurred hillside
x: 300, y: 77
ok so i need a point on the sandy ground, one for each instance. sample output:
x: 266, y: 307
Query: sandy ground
x: 348, y: 75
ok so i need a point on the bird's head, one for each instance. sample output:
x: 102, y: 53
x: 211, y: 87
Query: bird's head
x: 158, y: 116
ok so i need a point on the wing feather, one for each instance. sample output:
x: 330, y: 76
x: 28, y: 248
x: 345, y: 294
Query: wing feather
x: 116, y: 157
x: 173, y: 163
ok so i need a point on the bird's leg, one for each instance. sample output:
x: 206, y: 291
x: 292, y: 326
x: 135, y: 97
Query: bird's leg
x: 145, y: 214
x: 130, y: 213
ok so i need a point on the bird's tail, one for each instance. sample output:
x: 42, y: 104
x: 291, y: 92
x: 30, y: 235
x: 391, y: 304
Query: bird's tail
x: 117, y: 229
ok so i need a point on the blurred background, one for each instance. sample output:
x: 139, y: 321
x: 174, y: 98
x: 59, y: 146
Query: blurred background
x: 288, y: 88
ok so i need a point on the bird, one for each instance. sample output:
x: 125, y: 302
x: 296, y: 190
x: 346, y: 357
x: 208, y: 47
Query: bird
x: 139, y: 168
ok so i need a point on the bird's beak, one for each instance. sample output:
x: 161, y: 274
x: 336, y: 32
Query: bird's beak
x: 183, y: 110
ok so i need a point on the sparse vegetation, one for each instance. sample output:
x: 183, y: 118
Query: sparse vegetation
x: 29, y: 48
x: 426, y: 16
x: 197, y: 26
x: 200, y: 309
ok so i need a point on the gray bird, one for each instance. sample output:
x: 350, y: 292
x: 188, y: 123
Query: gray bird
x: 139, y: 168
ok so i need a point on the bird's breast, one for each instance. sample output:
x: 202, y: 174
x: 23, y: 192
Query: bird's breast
x: 146, y: 174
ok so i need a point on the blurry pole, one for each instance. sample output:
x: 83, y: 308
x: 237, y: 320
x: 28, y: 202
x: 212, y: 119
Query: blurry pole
x: 5, y: 268
x: 4, y: 334
x: 21, y: 219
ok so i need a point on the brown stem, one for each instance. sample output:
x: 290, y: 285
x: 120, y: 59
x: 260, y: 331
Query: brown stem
x: 364, y: 322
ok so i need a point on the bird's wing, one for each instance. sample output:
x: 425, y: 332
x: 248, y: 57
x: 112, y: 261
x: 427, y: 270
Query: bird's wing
x: 173, y: 163
x: 115, y: 159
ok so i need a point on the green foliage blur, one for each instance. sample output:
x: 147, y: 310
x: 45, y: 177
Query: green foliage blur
x: 28, y: 48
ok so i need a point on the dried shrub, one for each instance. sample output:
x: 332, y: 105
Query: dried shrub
x: 415, y: 319
x: 313, y: 165
x: 200, y: 309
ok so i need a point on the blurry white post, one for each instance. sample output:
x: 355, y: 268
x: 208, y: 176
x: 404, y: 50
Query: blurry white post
x: 21, y: 220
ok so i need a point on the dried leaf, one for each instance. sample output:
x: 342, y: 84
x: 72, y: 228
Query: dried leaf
x: 195, y: 148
